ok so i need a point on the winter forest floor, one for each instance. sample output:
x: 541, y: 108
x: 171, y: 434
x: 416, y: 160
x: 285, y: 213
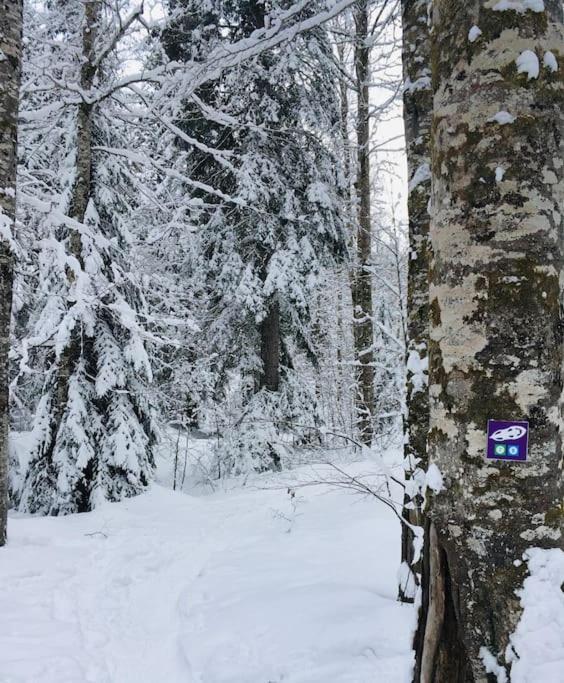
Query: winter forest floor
x: 247, y: 585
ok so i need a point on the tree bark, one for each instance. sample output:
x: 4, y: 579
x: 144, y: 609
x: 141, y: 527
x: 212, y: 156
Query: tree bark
x: 270, y: 326
x: 270, y: 348
x: 496, y: 346
x: 81, y: 195
x: 362, y: 278
x: 417, y: 112
x: 10, y: 69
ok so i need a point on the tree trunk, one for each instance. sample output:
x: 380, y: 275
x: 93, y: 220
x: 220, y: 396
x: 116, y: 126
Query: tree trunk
x: 362, y: 278
x: 417, y: 111
x: 10, y: 69
x: 496, y: 324
x: 270, y: 348
x: 81, y: 194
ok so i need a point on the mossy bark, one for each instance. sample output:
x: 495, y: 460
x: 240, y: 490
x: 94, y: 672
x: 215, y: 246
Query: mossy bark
x: 496, y: 340
x: 417, y: 110
x: 10, y: 69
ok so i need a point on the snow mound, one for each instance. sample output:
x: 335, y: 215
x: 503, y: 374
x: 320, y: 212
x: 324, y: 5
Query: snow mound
x: 538, y: 641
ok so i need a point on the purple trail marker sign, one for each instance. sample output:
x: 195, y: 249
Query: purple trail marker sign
x: 508, y: 440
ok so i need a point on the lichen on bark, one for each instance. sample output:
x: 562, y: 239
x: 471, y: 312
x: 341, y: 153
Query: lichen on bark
x: 496, y: 325
x: 417, y: 98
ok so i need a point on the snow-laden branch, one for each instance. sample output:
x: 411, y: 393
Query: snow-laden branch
x: 195, y: 74
x: 115, y: 38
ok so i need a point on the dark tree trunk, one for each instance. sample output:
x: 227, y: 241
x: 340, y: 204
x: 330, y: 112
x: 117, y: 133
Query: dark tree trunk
x: 270, y: 327
x: 270, y: 348
x: 362, y: 277
x: 10, y: 69
x: 496, y: 348
x: 417, y: 111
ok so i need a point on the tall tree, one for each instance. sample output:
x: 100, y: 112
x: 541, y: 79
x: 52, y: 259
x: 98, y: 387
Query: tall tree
x: 269, y: 222
x: 496, y: 325
x: 417, y: 111
x: 93, y: 430
x: 10, y: 68
x: 362, y: 279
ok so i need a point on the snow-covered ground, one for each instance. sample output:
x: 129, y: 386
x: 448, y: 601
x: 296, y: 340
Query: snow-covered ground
x: 242, y: 586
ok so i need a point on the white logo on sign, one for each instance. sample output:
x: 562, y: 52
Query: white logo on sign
x: 509, y: 433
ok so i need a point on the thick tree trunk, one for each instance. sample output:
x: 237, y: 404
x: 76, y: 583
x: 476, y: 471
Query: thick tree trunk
x: 362, y: 278
x: 10, y: 69
x: 496, y: 346
x: 417, y: 111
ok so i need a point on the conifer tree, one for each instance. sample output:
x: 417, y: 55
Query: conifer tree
x: 261, y: 251
x: 93, y: 428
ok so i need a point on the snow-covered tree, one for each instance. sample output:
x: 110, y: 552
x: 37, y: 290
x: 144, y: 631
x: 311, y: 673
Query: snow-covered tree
x: 93, y: 429
x: 270, y: 223
x: 10, y: 67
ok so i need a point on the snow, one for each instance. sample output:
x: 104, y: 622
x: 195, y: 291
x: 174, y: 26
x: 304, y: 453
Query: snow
x: 537, y: 646
x: 491, y: 666
x: 243, y: 586
x: 528, y: 63
x: 406, y: 580
x: 421, y: 175
x: 434, y: 478
x: 520, y: 6
x: 550, y: 61
x: 6, y: 228
x: 421, y: 83
x: 474, y: 33
x: 419, y: 369
x: 503, y: 118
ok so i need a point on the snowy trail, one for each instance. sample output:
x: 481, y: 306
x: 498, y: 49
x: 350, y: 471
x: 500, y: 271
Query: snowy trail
x: 234, y: 587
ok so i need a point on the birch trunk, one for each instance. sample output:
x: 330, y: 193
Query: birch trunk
x: 10, y: 68
x: 417, y: 110
x: 496, y: 323
x: 362, y: 279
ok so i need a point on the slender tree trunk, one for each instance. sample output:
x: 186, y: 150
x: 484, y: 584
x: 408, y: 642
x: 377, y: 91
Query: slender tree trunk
x: 496, y: 346
x: 81, y: 194
x: 362, y: 279
x: 10, y: 69
x: 253, y: 19
x: 343, y: 279
x: 417, y: 111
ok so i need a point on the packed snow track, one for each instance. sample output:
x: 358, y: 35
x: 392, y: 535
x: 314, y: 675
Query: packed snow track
x: 244, y: 586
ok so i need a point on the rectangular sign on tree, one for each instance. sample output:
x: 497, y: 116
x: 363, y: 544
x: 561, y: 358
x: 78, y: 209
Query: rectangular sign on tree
x: 508, y: 440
